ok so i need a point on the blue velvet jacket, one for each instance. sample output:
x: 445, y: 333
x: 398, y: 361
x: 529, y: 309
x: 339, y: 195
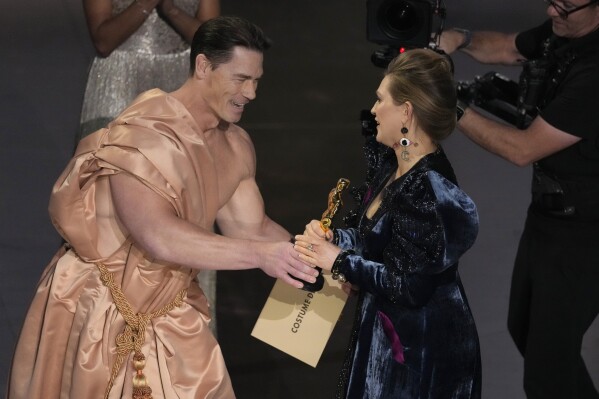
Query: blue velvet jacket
x: 415, y: 336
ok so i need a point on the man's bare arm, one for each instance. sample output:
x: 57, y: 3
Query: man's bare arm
x: 154, y: 226
x: 244, y: 216
x: 521, y: 147
x: 487, y: 47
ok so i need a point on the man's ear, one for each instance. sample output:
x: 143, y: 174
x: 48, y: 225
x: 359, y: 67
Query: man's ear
x: 203, y: 66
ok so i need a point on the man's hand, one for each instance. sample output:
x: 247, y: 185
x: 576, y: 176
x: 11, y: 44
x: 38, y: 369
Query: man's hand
x: 280, y: 260
x: 450, y: 40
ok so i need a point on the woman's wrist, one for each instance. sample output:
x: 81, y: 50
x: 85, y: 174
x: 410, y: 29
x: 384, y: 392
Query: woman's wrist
x: 169, y: 10
x: 336, y: 268
x: 147, y: 6
x: 335, y: 239
x: 173, y: 11
x: 144, y: 10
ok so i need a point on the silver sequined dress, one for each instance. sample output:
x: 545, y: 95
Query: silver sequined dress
x: 155, y: 56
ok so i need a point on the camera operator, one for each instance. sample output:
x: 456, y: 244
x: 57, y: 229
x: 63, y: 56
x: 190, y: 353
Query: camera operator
x: 555, y: 284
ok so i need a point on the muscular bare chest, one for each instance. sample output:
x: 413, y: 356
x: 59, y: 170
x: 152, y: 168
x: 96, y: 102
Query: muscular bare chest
x: 229, y: 166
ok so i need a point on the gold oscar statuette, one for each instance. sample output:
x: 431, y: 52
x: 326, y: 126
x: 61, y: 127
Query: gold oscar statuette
x: 326, y: 220
x: 335, y: 203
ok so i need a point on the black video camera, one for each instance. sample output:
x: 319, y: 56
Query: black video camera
x: 402, y: 24
x: 515, y: 102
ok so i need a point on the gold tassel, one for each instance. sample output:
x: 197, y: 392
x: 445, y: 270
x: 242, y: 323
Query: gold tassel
x: 133, y: 336
x: 141, y: 389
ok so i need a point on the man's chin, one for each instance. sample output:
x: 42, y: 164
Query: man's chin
x: 236, y: 116
x: 233, y: 118
x: 558, y: 28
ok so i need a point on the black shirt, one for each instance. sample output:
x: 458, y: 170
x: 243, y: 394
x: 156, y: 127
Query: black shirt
x: 572, y: 104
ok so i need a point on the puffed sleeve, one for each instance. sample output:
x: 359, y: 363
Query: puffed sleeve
x: 430, y: 225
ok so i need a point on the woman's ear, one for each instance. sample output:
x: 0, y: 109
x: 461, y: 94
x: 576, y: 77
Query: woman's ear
x: 409, y: 109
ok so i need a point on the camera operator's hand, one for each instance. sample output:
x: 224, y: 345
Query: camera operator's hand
x: 454, y: 39
x: 464, y: 97
x: 466, y: 91
x: 479, y: 92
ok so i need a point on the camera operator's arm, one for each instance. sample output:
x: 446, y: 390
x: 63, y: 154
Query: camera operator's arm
x: 484, y: 46
x: 521, y: 147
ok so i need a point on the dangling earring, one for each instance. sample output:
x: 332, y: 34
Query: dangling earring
x: 403, y: 142
x: 404, y: 130
x: 405, y: 155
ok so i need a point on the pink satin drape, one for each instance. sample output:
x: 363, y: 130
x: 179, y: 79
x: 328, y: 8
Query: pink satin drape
x: 67, y: 345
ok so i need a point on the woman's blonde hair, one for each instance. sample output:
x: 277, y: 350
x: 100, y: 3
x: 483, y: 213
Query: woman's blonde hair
x: 425, y: 78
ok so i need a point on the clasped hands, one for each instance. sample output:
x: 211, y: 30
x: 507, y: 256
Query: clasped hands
x: 163, y: 6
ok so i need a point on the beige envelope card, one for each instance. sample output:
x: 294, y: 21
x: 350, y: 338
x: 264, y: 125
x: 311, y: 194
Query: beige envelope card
x: 298, y: 322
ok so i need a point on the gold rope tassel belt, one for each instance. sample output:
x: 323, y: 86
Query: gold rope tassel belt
x: 133, y: 336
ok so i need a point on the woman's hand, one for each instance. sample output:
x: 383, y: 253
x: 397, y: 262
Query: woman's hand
x: 166, y: 6
x: 315, y: 250
x: 314, y: 229
x: 109, y: 31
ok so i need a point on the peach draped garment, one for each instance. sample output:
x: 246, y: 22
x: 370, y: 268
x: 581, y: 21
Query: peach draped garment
x: 67, y: 345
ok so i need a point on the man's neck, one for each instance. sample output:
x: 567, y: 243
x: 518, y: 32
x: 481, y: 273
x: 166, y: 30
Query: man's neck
x: 189, y: 95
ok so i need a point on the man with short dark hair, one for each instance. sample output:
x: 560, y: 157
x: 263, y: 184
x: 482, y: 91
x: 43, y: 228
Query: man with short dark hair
x: 554, y: 294
x: 117, y: 312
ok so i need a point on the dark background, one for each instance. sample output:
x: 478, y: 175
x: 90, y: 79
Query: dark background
x: 306, y: 128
